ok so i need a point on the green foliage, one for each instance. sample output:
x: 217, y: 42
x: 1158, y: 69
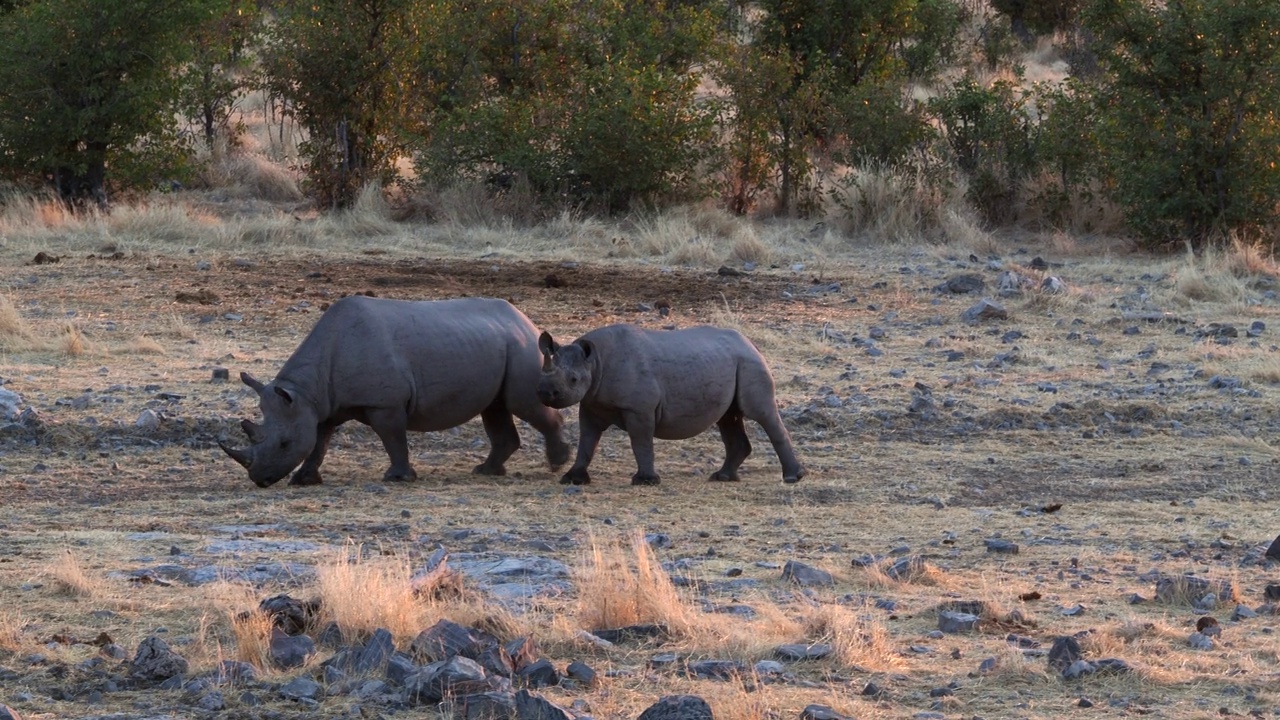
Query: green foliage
x: 87, y: 85
x: 217, y: 74
x: 590, y: 102
x: 1040, y: 17
x: 1188, y: 104
x: 992, y: 140
x: 1067, y: 147
x: 846, y: 66
x: 344, y: 69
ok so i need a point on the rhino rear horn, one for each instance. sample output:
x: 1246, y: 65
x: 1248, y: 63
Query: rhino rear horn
x: 251, y: 381
x: 252, y: 429
x: 239, y: 456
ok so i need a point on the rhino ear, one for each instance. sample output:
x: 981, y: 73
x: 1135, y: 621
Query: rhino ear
x: 283, y: 393
x: 251, y: 381
x: 547, y: 344
x: 587, y: 348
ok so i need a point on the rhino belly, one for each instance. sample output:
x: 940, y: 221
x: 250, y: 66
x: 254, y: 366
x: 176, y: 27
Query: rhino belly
x: 690, y: 415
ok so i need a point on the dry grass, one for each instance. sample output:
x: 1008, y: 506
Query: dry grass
x: 70, y: 578
x: 362, y: 593
x: 251, y: 633
x: 251, y: 176
x: 621, y: 583
x: 857, y: 637
x: 884, y: 205
x: 15, y: 335
x: 11, y: 631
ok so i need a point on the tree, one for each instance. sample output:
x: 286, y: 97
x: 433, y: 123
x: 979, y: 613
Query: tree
x: 847, y: 65
x: 88, y: 86
x: 212, y: 80
x: 345, y: 68
x: 1187, y: 106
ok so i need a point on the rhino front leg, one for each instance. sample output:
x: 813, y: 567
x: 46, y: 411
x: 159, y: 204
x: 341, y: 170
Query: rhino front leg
x: 641, y: 429
x: 392, y: 427
x: 504, y: 440
x: 736, y: 446
x: 309, y: 472
x: 590, y: 428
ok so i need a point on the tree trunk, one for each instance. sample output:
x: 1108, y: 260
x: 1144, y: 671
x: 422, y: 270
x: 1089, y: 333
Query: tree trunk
x: 83, y: 188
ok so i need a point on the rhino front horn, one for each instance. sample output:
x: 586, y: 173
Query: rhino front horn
x: 239, y: 456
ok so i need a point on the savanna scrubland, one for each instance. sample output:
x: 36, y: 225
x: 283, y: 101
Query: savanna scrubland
x: 693, y: 163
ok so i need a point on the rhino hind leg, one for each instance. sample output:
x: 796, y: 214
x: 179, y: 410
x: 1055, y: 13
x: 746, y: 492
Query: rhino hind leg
x: 736, y: 446
x: 309, y: 472
x: 757, y: 401
x: 504, y: 440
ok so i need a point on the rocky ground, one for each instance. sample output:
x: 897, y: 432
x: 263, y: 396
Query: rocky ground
x: 1004, y: 501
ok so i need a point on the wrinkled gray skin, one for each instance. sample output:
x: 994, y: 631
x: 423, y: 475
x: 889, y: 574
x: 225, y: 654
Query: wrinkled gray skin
x: 665, y: 384
x: 395, y: 366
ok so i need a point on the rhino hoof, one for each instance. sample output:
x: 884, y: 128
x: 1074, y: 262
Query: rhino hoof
x: 557, y: 454
x: 642, y: 479
x: 725, y: 476
x: 575, y: 477
x: 308, y: 477
x: 793, y: 479
x: 393, y: 476
x: 485, y: 468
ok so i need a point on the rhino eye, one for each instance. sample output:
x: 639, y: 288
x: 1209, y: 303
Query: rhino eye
x: 284, y: 444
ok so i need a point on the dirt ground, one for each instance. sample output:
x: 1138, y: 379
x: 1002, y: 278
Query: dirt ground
x: 922, y: 434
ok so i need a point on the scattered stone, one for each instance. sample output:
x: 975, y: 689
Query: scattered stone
x: 482, y: 706
x: 456, y: 676
x: 874, y: 691
x: 156, y: 662
x: 375, y: 654
x: 907, y: 569
x: 1191, y: 589
x: 726, y: 271
x: 984, y: 309
x: 1063, y: 653
x: 643, y: 631
x: 768, y: 668
x: 1200, y: 641
x: 677, y: 707
x: 221, y: 374
x: 399, y: 668
x: 1243, y: 612
x: 446, y: 639
x: 582, y: 673
x: 717, y: 669
x: 821, y: 712
x: 1078, y: 669
x: 952, y: 622
x: 962, y: 284
x: 1256, y: 328
x: 1271, y: 591
x: 799, y: 651
x: 1273, y: 551
x: 539, y: 674
x: 290, y: 651
x: 212, y: 701
x: 147, y: 420
x: 988, y: 666
x: 301, y: 688
x: 805, y: 575
x: 999, y: 545
x: 290, y: 615
x: 234, y: 672
x: 10, y: 405
x: 497, y: 661
x: 1222, y: 382
x: 1053, y: 284
x: 1084, y: 702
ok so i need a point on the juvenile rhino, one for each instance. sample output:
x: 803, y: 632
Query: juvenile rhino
x: 666, y: 384
x: 398, y: 365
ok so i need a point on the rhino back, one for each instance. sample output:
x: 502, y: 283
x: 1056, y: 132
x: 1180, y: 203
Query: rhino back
x: 444, y: 360
x: 694, y: 365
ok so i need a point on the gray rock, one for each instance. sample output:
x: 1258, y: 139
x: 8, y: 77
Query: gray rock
x: 953, y: 622
x: 962, y: 284
x: 156, y: 662
x: 582, y: 673
x: 800, y: 651
x: 495, y: 705
x: 147, y: 420
x: 984, y: 309
x: 1000, y: 545
x: 523, y: 651
x: 768, y: 668
x: 1243, y: 612
x: 906, y: 569
x: 1064, y: 651
x: 10, y: 405
x: 234, y: 672
x: 212, y: 701
x: 456, y: 676
x: 1053, y: 284
x: 539, y: 674
x: 1112, y: 665
x: 643, y: 631
x: 806, y: 575
x: 399, y: 668
x: 1078, y: 669
x: 821, y: 712
x: 988, y: 665
x: 497, y: 661
x: 536, y: 707
x: 373, y: 658
x: 446, y: 639
x: 301, y: 688
x: 290, y: 651
x: 1190, y: 589
x: 678, y: 707
x: 717, y: 669
x: 1200, y: 641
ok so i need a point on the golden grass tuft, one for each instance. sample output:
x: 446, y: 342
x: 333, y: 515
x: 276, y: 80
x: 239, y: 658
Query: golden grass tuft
x: 880, y: 204
x: 72, y: 342
x: 252, y: 175
x: 70, y: 579
x: 142, y: 345
x: 857, y: 637
x: 362, y: 594
x: 14, y: 332
x: 251, y: 632
x: 621, y: 583
x: 11, y: 624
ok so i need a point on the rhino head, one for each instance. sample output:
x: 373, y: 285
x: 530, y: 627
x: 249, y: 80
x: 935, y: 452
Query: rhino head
x: 567, y: 371
x: 283, y: 440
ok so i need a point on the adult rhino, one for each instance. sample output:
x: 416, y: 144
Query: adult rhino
x: 398, y: 365
x: 665, y: 384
